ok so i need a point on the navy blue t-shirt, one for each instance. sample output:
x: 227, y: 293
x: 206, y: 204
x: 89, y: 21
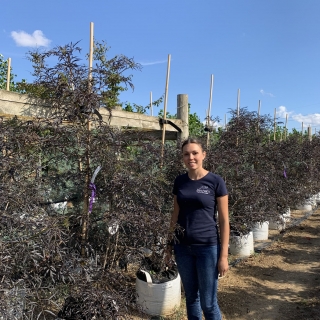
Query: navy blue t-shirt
x: 197, y: 207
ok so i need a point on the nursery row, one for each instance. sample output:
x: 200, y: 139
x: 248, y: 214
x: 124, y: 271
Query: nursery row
x: 44, y: 175
x: 66, y: 239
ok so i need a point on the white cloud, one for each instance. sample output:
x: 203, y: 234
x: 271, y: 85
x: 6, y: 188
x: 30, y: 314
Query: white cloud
x: 23, y: 39
x: 152, y: 63
x: 282, y: 112
x: 312, y: 119
x: 309, y: 119
x: 267, y: 93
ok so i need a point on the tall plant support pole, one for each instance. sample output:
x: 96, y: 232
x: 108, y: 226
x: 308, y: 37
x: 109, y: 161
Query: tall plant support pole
x: 285, y: 128
x: 8, y: 74
x: 151, y: 111
x: 274, y: 124
x: 310, y: 133
x: 301, y: 131
x: 165, y: 108
x: 225, y: 122
x: 209, y: 111
x: 238, y: 112
x: 259, y: 107
x: 238, y: 103
x: 183, y: 114
x: 85, y: 220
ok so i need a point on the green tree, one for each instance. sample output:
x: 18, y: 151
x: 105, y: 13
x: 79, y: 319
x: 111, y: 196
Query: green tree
x: 139, y: 108
x: 196, y: 127
x: 3, y: 77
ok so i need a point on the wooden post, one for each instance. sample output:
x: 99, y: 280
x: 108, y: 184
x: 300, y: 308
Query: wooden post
x: 285, y: 128
x: 225, y: 122
x: 238, y: 103
x: 310, y: 133
x: 8, y: 74
x: 165, y: 108
x: 183, y: 114
x: 209, y: 110
x: 238, y: 113
x: 259, y: 107
x: 151, y: 111
x: 274, y: 125
x: 85, y: 220
x: 90, y: 53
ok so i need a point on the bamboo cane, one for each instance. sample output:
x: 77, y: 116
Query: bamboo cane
x: 165, y: 108
x: 274, y: 125
x: 238, y: 112
x: 8, y: 74
x: 285, y: 128
x: 238, y: 104
x: 85, y: 221
x: 259, y: 108
x: 151, y: 111
x: 209, y: 110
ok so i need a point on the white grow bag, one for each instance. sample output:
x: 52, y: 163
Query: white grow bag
x: 261, y: 231
x: 279, y: 224
x: 158, y: 298
x: 242, y: 245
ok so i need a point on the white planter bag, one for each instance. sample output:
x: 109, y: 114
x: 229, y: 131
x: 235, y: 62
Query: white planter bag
x: 158, y: 299
x: 242, y: 245
x: 261, y: 231
x: 279, y: 224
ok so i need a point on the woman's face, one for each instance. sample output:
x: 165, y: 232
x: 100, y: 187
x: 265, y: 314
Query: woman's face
x: 193, y: 156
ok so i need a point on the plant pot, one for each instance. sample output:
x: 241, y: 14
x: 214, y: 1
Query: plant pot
x: 241, y: 245
x: 279, y: 224
x: 287, y: 215
x: 306, y: 206
x: 261, y: 231
x: 158, y: 298
x: 317, y: 197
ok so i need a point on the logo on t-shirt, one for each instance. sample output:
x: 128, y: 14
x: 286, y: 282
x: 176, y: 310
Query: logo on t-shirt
x: 204, y: 190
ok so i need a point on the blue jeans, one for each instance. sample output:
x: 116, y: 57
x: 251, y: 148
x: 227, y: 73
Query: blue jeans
x: 198, y: 268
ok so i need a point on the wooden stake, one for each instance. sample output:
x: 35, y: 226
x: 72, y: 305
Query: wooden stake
x: 209, y: 110
x: 151, y: 111
x: 90, y: 52
x: 8, y: 74
x: 238, y: 112
x: 310, y: 133
x: 85, y: 215
x: 225, y: 122
x: 285, y: 128
x: 238, y: 103
x: 165, y: 108
x: 259, y: 107
x: 274, y: 125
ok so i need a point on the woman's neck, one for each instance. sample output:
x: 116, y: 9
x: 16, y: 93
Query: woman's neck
x: 197, y: 174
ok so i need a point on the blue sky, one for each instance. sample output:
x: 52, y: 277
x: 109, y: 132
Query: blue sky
x: 269, y: 49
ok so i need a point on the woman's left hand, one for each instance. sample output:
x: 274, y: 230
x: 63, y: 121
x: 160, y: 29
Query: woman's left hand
x: 223, y: 266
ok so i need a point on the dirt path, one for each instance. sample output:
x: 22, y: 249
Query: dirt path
x: 282, y: 282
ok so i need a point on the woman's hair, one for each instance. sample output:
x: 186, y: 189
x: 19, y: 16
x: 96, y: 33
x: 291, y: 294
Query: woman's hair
x: 193, y: 140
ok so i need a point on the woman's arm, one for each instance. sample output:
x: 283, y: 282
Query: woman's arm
x: 173, y: 222
x: 224, y: 226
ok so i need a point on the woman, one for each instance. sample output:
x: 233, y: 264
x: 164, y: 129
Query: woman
x: 200, y: 255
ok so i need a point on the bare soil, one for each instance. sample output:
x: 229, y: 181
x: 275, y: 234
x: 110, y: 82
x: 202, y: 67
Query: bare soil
x: 279, y: 283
